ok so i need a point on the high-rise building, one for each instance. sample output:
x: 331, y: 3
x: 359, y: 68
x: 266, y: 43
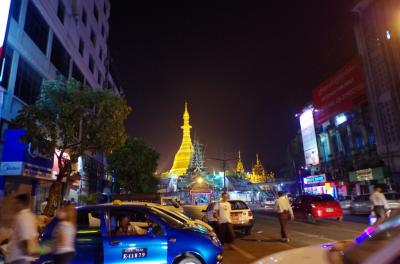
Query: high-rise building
x: 376, y: 30
x: 47, y: 38
x: 185, y: 152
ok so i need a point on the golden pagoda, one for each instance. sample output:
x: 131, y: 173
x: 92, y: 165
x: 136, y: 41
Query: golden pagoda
x: 239, y: 166
x: 185, y: 152
x: 258, y: 172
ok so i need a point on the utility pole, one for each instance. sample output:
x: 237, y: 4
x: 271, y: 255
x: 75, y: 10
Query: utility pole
x: 223, y: 160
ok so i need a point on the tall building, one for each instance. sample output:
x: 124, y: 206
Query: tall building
x: 376, y: 30
x: 185, y: 152
x: 47, y: 38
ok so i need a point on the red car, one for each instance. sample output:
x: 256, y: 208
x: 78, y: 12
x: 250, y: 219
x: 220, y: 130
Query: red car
x: 312, y: 207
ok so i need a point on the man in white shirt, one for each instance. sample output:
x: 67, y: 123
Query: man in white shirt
x: 379, y: 204
x: 283, y: 208
x: 24, y: 239
x: 222, y: 212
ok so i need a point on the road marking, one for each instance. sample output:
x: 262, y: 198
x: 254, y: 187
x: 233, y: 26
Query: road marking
x: 283, y: 244
x: 314, y: 236
x: 242, y: 252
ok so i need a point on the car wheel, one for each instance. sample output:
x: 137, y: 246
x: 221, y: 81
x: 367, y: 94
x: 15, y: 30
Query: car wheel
x: 340, y: 219
x: 189, y: 260
x: 247, y: 231
x: 310, y: 218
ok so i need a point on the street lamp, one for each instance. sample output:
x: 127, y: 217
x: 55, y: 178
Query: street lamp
x: 223, y: 160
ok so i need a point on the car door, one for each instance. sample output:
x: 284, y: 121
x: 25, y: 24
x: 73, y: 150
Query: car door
x: 142, y: 245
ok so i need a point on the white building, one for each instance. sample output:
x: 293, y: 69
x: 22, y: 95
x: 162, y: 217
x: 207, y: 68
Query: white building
x: 47, y: 38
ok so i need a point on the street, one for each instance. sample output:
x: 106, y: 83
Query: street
x: 265, y: 237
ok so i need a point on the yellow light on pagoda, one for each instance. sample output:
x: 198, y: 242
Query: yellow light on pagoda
x: 182, y: 157
x: 200, y: 180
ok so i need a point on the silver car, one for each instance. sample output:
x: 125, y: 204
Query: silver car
x: 345, y: 202
x: 362, y: 205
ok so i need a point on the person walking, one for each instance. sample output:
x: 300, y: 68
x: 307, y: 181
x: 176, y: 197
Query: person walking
x: 283, y: 208
x: 24, y: 244
x: 64, y: 236
x: 379, y: 204
x: 222, y: 212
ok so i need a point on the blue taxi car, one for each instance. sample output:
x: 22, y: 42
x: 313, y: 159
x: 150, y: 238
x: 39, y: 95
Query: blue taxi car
x: 162, y: 239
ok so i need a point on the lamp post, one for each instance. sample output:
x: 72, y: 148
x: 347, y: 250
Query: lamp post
x: 223, y: 160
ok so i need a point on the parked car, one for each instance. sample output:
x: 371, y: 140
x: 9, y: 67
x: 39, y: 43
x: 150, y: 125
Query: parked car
x: 164, y: 238
x: 312, y: 207
x: 241, y: 215
x: 362, y: 205
x: 269, y: 202
x: 375, y: 245
x: 345, y: 201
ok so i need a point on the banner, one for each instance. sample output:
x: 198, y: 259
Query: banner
x: 342, y: 92
x: 4, y: 13
x: 309, y: 138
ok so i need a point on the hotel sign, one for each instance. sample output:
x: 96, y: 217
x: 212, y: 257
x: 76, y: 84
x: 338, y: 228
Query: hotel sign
x: 315, y: 179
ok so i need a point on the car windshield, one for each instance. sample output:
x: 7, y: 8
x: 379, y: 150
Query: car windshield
x: 181, y: 217
x: 238, y: 205
x: 385, y: 234
x: 322, y: 198
x: 392, y: 196
x: 171, y: 221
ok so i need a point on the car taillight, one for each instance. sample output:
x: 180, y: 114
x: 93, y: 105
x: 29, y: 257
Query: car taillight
x: 250, y: 213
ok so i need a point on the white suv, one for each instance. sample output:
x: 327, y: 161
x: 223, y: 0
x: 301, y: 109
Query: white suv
x: 241, y: 215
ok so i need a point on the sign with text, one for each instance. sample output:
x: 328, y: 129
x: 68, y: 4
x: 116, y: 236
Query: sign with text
x: 364, y: 175
x: 315, y: 179
x: 309, y: 139
x: 342, y: 92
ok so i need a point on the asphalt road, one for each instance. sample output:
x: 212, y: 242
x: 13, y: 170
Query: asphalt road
x: 265, y: 237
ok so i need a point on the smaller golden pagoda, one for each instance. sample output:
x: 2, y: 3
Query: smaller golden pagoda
x: 239, y: 165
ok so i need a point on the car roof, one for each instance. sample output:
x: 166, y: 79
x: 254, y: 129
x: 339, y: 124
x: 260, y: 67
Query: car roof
x: 110, y: 205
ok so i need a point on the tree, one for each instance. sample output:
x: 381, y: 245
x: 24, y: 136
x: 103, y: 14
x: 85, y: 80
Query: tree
x: 134, y: 165
x: 69, y: 118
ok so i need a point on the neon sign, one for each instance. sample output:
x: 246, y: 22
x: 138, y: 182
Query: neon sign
x: 315, y: 179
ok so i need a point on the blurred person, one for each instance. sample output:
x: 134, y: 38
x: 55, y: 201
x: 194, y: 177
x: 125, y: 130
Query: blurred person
x: 23, y: 245
x: 379, y: 204
x: 64, y: 235
x: 126, y: 229
x: 43, y: 205
x: 283, y: 208
x: 222, y: 212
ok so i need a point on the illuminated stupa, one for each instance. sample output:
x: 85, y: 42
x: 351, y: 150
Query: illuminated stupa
x: 185, y: 152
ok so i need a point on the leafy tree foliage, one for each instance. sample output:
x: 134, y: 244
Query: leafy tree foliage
x: 134, y: 165
x: 69, y: 118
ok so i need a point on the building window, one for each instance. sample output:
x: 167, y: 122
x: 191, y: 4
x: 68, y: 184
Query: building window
x: 60, y: 57
x: 84, y: 17
x: 15, y: 9
x: 81, y: 46
x: 103, y: 31
x: 77, y: 74
x: 99, y: 79
x: 101, y: 54
x: 91, y: 64
x: 7, y: 67
x: 61, y: 11
x: 93, y: 37
x: 36, y: 27
x: 96, y: 13
x: 28, y: 82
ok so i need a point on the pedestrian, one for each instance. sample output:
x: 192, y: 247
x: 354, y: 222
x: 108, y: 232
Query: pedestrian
x: 283, y: 208
x: 64, y: 235
x: 23, y: 246
x: 379, y: 204
x: 222, y: 212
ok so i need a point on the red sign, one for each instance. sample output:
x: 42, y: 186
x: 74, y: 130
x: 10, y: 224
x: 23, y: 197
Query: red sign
x: 342, y: 92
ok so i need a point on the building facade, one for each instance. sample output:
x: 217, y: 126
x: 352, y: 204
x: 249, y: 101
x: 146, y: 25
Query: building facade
x: 47, y: 38
x: 377, y: 33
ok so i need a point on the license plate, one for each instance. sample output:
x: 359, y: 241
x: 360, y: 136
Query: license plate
x: 134, y: 253
x: 329, y: 210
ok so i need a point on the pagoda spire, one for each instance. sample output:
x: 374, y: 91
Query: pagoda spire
x: 185, y: 152
x: 239, y: 165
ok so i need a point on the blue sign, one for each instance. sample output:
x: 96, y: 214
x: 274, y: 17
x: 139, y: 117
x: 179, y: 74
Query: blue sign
x: 18, y: 160
x: 315, y: 179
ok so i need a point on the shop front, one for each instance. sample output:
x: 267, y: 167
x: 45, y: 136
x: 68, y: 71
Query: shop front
x: 24, y: 171
x: 364, y: 181
x: 317, y: 184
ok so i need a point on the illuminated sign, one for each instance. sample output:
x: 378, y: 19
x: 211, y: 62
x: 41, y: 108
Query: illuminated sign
x: 309, y: 139
x: 315, y: 179
x: 340, y: 119
x: 4, y: 11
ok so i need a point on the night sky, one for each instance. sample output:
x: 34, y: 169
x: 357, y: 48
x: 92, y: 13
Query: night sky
x: 245, y: 68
